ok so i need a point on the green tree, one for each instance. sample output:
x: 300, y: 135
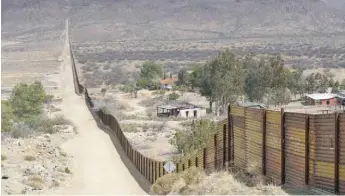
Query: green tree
x: 223, y: 80
x: 151, y: 70
x: 194, y: 137
x: 257, y: 81
x: 278, y: 97
x: 182, y: 77
x: 296, y: 82
x: 342, y: 85
x: 194, y: 78
x: 150, y: 74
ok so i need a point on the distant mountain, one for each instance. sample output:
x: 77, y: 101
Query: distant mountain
x: 104, y: 20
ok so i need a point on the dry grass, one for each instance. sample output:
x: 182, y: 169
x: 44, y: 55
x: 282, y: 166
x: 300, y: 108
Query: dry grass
x: 67, y: 170
x: 35, y: 182
x: 164, y: 185
x: 195, y: 182
x: 63, y: 154
x: 29, y: 158
x: 3, y: 157
x: 54, y: 184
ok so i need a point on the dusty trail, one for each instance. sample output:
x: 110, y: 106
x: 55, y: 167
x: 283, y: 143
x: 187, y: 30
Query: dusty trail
x: 98, y: 168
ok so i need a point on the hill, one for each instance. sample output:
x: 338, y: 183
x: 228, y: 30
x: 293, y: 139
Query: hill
x: 308, y: 33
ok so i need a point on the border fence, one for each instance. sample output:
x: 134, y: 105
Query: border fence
x: 301, y: 150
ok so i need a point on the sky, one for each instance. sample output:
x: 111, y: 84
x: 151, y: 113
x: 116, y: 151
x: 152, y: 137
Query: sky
x: 340, y: 4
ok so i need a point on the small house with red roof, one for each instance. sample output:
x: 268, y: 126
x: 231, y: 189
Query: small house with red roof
x: 167, y: 83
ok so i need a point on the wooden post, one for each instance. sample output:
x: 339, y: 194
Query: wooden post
x: 307, y: 146
x: 215, y: 152
x: 230, y: 136
x: 282, y: 145
x: 152, y: 171
x: 264, y: 142
x: 336, y: 155
x: 224, y: 145
x: 160, y: 172
x: 204, y: 158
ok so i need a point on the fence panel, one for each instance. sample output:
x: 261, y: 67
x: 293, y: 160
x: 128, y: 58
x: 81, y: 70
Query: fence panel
x: 322, y: 152
x: 254, y: 140
x: 200, y: 158
x: 210, y: 155
x: 222, y: 143
x: 295, y: 149
x: 238, y: 127
x: 219, y: 149
x: 273, y: 146
x: 342, y: 154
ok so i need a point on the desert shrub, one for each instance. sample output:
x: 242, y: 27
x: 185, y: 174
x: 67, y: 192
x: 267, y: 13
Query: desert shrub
x: 130, y: 127
x: 106, y: 66
x: 177, y: 183
x: 193, y: 175
x: 28, y: 100
x: 164, y: 184
x: 35, y: 182
x: 3, y: 157
x: 67, y: 170
x: 130, y: 88
x: 29, y: 158
x: 173, y: 96
x: 104, y: 110
x: 194, y: 181
x: 25, y: 104
x: 47, y: 125
x: 6, y: 116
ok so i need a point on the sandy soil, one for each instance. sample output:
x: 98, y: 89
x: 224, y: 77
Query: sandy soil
x: 97, y: 168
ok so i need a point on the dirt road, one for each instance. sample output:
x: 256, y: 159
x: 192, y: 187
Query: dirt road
x: 98, y: 168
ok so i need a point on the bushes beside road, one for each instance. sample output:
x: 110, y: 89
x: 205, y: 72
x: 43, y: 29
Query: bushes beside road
x: 23, y: 114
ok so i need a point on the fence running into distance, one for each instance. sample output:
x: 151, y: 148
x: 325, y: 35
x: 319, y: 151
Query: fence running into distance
x: 301, y: 150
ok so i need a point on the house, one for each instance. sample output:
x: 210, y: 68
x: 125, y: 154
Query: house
x: 326, y: 99
x: 180, y: 109
x: 167, y: 83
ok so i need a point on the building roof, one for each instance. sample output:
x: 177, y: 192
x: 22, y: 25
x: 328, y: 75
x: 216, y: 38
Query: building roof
x: 169, y: 81
x: 178, y: 105
x: 321, y: 96
x: 251, y: 104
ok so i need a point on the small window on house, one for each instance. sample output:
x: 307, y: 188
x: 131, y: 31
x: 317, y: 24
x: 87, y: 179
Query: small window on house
x: 187, y: 112
x: 327, y: 102
x: 195, y: 113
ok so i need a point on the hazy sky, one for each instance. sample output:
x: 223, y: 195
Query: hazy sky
x: 340, y: 4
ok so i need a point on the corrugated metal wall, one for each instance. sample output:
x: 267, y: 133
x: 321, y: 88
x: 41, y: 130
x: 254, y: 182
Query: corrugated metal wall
x: 295, y: 149
x: 274, y: 146
x: 254, y: 139
x: 341, y: 171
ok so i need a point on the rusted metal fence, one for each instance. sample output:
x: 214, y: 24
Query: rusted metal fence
x: 295, y: 149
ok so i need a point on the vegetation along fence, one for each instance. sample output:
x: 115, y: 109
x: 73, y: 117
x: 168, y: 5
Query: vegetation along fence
x: 300, y: 150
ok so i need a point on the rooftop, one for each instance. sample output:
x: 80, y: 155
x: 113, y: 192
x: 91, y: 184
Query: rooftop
x: 177, y: 105
x: 251, y: 104
x: 169, y: 81
x: 321, y: 96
